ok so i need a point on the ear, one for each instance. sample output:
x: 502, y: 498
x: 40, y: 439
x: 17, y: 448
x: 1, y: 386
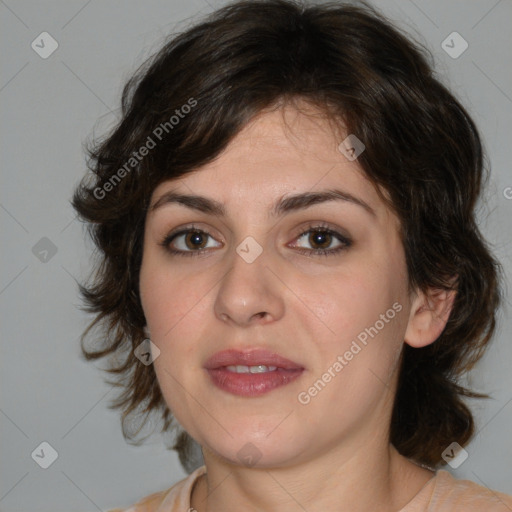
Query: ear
x: 429, y: 314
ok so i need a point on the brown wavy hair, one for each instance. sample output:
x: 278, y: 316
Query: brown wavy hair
x: 422, y: 147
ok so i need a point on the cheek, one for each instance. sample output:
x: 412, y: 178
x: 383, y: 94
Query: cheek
x: 173, y: 322
x: 358, y: 359
x: 344, y: 305
x: 168, y: 297
x: 366, y: 312
x: 174, y: 310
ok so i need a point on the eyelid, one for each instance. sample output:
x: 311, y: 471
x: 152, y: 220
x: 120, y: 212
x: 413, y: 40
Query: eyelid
x: 322, y: 227
x: 183, y: 230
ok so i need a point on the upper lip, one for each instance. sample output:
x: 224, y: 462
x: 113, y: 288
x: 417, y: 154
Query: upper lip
x: 232, y: 357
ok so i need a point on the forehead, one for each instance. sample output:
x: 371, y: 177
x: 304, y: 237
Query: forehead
x: 279, y: 153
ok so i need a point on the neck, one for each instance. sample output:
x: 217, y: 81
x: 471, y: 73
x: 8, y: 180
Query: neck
x: 368, y: 475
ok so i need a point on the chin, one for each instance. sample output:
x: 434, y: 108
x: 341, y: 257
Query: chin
x: 256, y: 449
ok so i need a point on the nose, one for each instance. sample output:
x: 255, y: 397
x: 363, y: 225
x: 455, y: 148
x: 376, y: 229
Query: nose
x: 249, y: 293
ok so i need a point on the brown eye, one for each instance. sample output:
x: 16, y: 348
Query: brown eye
x: 187, y: 242
x: 320, y: 238
x: 196, y: 239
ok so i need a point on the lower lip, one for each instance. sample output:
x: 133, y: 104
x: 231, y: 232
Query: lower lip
x: 252, y: 384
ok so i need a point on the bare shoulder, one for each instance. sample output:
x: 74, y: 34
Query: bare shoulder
x: 176, y: 497
x: 468, y: 495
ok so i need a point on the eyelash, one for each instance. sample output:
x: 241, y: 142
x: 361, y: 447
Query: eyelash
x: 320, y: 228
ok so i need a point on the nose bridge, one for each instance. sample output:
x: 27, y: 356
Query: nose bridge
x: 248, y: 289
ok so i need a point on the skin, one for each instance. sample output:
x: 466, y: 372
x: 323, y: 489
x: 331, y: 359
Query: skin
x: 333, y: 453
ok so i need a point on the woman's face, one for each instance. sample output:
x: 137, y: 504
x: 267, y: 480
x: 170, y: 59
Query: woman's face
x: 255, y: 278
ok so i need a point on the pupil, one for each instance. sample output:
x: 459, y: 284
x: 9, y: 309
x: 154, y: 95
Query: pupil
x: 195, y: 239
x: 320, y: 238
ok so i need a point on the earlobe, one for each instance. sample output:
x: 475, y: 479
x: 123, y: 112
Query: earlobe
x: 429, y: 315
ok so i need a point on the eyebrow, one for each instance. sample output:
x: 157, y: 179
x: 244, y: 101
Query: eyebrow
x: 282, y: 207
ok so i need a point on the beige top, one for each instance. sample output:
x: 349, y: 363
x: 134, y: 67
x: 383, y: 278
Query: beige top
x: 442, y: 493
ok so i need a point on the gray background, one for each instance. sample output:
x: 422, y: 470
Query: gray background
x: 49, y: 107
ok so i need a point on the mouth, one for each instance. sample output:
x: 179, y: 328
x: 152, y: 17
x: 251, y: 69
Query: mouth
x: 251, y: 373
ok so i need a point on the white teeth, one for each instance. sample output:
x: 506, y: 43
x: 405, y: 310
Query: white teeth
x: 261, y: 368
